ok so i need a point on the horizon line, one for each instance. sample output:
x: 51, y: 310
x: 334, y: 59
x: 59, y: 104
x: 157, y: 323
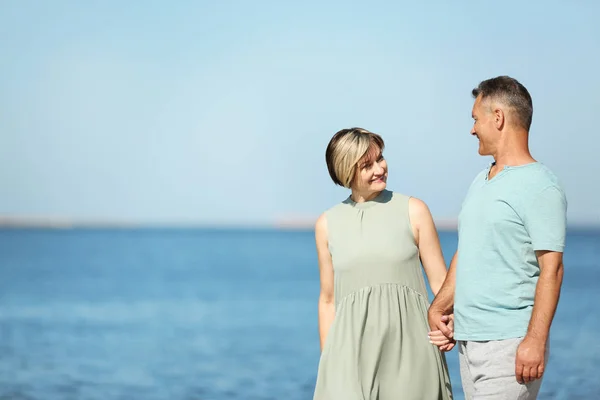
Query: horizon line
x: 57, y: 223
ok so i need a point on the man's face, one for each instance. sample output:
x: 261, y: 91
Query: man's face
x: 483, y: 126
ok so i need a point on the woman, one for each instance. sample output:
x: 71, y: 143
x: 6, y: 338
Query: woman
x: 373, y: 303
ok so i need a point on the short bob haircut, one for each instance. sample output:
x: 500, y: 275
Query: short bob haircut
x: 345, y: 149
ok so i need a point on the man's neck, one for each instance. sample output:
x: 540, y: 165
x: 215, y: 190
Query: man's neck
x: 514, y: 151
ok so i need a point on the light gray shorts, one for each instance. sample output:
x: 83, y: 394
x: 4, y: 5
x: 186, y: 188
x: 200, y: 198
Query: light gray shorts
x: 487, y: 371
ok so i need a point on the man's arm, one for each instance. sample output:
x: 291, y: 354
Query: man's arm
x: 442, y: 306
x: 545, y: 218
x: 530, y: 359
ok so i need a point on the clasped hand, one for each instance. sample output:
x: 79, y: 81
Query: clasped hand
x: 442, y: 331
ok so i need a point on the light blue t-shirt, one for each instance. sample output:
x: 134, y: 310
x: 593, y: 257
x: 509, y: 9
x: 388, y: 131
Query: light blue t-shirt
x: 503, y: 221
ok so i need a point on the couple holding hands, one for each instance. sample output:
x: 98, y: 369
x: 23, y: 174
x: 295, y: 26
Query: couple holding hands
x: 496, y: 301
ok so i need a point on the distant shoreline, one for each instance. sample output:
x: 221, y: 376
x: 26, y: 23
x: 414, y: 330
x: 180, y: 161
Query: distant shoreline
x: 302, y: 223
x: 19, y: 223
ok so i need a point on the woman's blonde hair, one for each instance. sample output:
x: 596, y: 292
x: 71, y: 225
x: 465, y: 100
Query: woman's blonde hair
x: 345, y: 149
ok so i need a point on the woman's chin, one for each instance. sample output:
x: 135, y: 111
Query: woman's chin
x: 378, y: 185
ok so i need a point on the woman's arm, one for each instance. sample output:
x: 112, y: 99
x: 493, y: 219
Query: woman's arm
x: 428, y: 242
x: 326, y: 299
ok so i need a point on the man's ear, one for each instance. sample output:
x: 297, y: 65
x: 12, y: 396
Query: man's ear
x: 499, y: 118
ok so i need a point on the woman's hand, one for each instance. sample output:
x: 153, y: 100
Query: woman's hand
x: 444, y: 341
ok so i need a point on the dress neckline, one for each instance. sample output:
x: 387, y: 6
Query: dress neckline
x: 383, y: 197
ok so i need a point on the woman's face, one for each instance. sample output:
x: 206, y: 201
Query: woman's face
x: 371, y: 172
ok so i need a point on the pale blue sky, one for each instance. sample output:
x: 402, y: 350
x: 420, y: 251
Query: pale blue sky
x: 219, y: 112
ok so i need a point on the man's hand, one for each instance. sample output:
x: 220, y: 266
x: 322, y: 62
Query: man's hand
x: 439, y: 322
x: 442, y: 330
x: 529, y: 364
x: 449, y: 321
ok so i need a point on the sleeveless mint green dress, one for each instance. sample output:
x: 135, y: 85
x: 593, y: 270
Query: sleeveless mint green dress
x: 377, y: 347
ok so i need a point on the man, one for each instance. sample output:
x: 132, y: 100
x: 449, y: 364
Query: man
x: 504, y: 281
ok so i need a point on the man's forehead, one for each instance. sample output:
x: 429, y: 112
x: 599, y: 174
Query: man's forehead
x: 479, y: 103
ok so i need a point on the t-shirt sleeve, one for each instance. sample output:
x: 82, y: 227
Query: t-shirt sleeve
x: 545, y: 219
